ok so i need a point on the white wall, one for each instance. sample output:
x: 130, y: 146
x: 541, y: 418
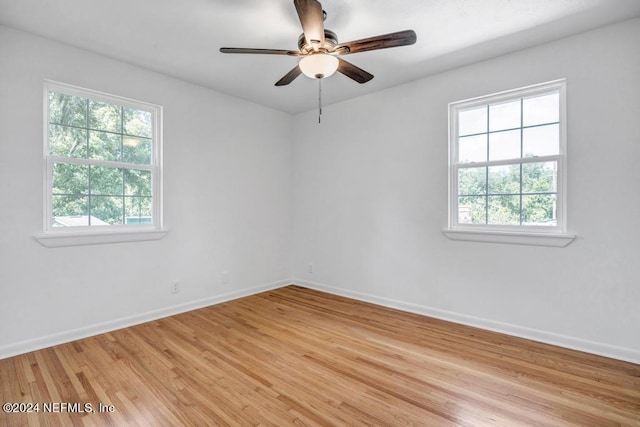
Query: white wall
x: 371, y: 201
x: 227, y: 199
x: 365, y: 204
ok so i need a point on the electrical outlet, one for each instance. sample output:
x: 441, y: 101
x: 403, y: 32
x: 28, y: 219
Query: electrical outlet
x: 310, y: 267
x: 175, y: 287
x: 225, y: 277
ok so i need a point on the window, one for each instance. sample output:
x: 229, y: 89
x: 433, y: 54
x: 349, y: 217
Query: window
x: 103, y: 163
x: 507, y: 162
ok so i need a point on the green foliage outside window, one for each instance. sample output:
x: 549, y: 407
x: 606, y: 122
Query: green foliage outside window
x: 92, y: 191
x: 493, y: 194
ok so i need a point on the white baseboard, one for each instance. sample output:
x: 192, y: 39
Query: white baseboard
x: 112, y: 325
x: 621, y: 353
x: 615, y: 352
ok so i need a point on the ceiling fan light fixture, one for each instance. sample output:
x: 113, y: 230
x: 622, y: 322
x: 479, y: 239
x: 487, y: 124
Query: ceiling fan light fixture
x: 318, y: 65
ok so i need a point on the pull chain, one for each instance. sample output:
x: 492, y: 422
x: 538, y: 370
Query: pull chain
x: 319, y: 99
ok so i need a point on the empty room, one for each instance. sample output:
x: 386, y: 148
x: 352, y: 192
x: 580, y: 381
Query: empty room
x: 302, y: 212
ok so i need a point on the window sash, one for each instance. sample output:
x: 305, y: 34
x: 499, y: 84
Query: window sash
x: 521, y: 194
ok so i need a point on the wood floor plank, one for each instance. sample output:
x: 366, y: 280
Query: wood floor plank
x: 296, y: 356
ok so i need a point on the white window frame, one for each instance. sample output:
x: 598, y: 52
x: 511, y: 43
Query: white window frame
x: 89, y: 235
x: 516, y: 234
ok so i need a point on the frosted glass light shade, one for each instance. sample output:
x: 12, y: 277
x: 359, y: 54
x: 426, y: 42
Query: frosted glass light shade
x: 318, y: 65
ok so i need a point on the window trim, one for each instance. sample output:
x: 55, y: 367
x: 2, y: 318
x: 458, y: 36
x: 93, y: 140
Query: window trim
x: 89, y: 235
x: 516, y: 234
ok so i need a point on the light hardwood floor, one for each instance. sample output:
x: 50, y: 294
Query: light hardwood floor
x: 298, y: 356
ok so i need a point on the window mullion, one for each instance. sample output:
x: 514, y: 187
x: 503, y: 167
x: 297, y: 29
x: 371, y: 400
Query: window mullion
x: 103, y: 163
x: 486, y: 171
x: 538, y: 159
x: 89, y: 197
x: 521, y: 152
x: 121, y: 155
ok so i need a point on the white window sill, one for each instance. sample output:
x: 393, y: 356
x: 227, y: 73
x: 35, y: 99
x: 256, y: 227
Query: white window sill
x: 514, y: 238
x: 63, y: 239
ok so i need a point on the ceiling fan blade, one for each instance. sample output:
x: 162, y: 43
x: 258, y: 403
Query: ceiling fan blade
x: 401, y: 38
x: 259, y: 51
x: 353, y: 72
x: 311, y: 18
x: 289, y: 77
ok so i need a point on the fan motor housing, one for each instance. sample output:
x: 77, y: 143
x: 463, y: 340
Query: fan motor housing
x: 330, y: 42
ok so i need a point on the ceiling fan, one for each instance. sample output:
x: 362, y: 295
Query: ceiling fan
x: 320, y: 50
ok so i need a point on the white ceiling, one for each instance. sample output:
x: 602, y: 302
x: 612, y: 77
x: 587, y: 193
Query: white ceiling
x: 182, y: 38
